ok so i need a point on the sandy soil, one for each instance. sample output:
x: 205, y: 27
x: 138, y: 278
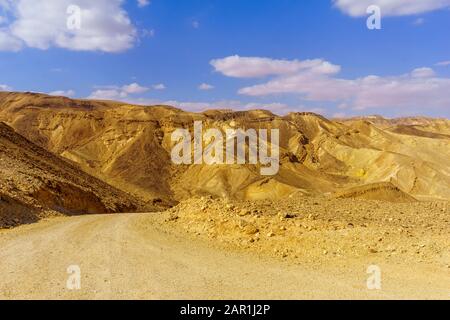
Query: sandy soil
x: 139, y: 256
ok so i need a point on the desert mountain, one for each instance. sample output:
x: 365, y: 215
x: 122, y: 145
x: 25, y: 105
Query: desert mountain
x: 35, y: 183
x: 129, y: 147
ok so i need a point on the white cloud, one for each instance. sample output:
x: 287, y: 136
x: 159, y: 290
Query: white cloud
x: 415, y: 90
x: 443, y: 63
x: 205, y: 86
x: 159, y: 86
x: 105, y: 25
x: 255, y: 67
x: 4, y: 87
x: 134, y: 88
x: 107, y: 94
x: 419, y: 89
x: 117, y: 93
x: 423, y: 73
x: 5, y: 4
x: 358, y: 8
x: 9, y: 42
x: 63, y: 93
x: 143, y: 3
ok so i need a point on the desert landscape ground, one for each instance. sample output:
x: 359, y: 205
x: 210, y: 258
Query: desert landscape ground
x: 91, y: 183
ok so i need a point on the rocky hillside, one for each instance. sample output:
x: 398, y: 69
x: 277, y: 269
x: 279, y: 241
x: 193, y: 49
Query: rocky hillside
x: 129, y: 147
x: 35, y: 183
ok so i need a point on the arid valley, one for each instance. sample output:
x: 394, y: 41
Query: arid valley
x: 91, y: 183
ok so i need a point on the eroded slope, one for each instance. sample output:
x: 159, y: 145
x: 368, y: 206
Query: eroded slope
x: 35, y: 183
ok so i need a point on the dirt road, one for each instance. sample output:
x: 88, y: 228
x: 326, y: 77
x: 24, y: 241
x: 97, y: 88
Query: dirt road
x: 119, y: 260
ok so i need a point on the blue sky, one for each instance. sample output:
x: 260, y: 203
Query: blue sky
x: 283, y: 55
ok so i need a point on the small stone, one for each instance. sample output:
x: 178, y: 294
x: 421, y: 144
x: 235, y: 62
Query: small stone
x: 250, y: 229
x: 270, y: 234
x: 172, y: 217
x: 372, y: 250
x: 281, y: 216
x: 243, y: 223
x: 285, y: 215
x: 244, y: 212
